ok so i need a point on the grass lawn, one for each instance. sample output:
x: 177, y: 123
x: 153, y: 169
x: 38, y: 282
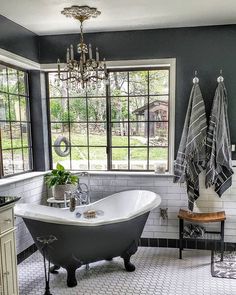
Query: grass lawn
x: 119, y: 153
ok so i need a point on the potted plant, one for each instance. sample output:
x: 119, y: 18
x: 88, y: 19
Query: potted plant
x: 61, y: 180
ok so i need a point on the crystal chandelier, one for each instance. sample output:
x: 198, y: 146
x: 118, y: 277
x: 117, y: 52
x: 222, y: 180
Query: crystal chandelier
x: 87, y: 71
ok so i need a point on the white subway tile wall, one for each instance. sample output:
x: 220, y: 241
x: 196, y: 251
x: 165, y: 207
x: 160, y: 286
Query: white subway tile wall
x: 173, y: 197
x: 33, y: 191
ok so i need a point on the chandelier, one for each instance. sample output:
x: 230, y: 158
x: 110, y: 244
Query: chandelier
x: 88, y: 71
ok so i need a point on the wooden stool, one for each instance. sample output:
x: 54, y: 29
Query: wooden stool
x: 201, y: 218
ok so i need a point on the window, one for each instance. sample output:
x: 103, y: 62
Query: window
x: 124, y: 126
x: 15, y: 138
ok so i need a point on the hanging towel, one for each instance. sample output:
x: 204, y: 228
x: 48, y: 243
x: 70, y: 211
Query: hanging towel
x: 219, y: 166
x: 191, y: 156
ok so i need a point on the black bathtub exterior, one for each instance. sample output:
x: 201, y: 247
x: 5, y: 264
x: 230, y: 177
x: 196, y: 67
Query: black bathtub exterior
x: 79, y: 245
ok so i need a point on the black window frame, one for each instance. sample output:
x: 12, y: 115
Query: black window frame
x: 28, y: 122
x: 109, y: 122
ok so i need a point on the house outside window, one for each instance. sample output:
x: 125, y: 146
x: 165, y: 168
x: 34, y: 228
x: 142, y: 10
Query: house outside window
x: 15, y: 125
x: 121, y: 127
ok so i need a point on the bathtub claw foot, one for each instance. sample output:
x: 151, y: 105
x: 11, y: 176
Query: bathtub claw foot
x: 54, y: 269
x: 128, y: 265
x: 71, y: 279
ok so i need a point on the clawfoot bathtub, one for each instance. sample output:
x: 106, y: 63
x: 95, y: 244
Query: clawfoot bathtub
x: 114, y: 232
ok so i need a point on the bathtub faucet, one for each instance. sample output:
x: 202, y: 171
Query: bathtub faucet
x: 82, y: 194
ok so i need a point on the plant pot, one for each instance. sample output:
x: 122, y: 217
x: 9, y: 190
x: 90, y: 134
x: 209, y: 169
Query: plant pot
x: 60, y: 189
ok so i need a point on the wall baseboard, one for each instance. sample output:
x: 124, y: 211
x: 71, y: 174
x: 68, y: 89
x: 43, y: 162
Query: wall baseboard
x: 26, y: 253
x: 188, y: 244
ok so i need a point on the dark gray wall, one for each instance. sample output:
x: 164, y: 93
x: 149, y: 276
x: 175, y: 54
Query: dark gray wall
x: 38, y: 111
x: 206, y: 49
x: 18, y: 40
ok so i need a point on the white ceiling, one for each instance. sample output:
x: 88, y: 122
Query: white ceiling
x: 44, y: 16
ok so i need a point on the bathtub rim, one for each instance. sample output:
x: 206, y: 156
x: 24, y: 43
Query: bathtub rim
x: 86, y: 222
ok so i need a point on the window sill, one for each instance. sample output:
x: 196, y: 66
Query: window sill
x: 128, y: 173
x: 17, y: 178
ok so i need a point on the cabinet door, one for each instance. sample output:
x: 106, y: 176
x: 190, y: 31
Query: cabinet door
x: 9, y: 267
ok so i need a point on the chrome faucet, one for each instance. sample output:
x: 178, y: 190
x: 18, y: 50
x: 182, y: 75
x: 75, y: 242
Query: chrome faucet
x: 81, y: 195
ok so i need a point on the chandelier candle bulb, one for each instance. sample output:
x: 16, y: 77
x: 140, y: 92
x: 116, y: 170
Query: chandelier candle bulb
x: 90, y: 51
x: 72, y: 52
x: 97, y: 54
x: 68, y: 55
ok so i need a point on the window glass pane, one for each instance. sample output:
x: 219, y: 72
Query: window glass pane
x: 138, y: 133
x: 18, y: 161
x: 65, y: 161
x: 158, y: 133
x: 12, y: 81
x: 4, y: 107
x: 59, y: 110
x: 79, y: 158
x: 98, y: 158
x: 159, y: 82
x: 138, y: 108
x: 97, y: 134
x: 119, y: 133
x: 7, y: 162
x: 78, y: 109
x: 74, y: 91
x: 26, y: 134
x: 3, y: 78
x: 6, y: 135
x: 158, y: 108
x: 56, y: 89
x: 78, y: 134
x: 97, y: 109
x: 158, y: 159
x: 138, y: 159
x: 97, y: 91
x: 27, y: 157
x: 118, y: 83
x: 59, y: 130
x: 16, y: 135
x: 24, y: 108
x: 22, y: 83
x: 14, y: 108
x: 119, y: 109
x: 119, y: 158
x: 138, y: 83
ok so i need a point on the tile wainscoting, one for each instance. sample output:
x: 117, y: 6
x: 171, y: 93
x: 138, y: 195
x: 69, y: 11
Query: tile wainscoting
x: 173, y: 196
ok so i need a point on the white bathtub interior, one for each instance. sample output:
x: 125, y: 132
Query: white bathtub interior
x: 117, y: 207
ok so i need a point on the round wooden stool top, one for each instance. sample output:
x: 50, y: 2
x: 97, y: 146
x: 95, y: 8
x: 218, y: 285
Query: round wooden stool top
x: 202, y: 217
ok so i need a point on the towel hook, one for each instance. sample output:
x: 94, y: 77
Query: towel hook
x: 195, y: 79
x: 220, y: 78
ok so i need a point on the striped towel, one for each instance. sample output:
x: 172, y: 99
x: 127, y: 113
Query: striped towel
x: 191, y: 156
x: 219, y: 166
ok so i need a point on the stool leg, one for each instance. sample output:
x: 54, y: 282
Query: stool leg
x: 181, y: 229
x: 222, y: 239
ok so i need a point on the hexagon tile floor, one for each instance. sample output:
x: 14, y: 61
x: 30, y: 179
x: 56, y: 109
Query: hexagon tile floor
x: 158, y: 271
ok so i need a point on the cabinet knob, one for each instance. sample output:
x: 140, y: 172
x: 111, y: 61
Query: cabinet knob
x: 7, y: 220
